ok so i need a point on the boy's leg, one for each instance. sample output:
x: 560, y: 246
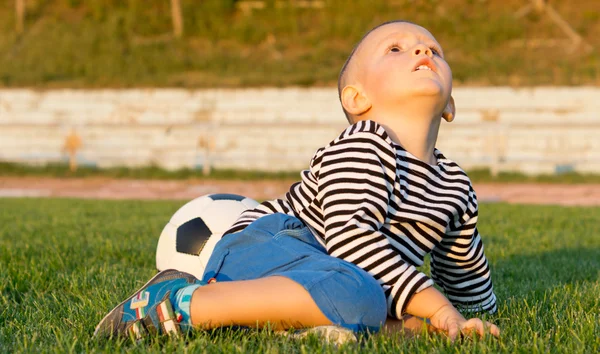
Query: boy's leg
x: 273, y: 258
x: 158, y: 307
x: 276, y: 300
x: 276, y: 271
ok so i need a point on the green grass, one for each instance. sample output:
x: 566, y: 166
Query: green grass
x: 112, y: 43
x: 65, y: 262
x: 8, y: 169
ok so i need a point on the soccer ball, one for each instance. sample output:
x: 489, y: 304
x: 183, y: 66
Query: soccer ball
x: 189, y: 238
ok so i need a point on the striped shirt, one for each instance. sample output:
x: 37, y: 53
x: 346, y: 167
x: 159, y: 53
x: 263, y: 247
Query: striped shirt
x: 372, y: 203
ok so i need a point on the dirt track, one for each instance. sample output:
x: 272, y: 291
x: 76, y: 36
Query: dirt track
x: 103, y: 188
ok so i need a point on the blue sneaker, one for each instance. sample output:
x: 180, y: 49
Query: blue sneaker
x: 149, y: 310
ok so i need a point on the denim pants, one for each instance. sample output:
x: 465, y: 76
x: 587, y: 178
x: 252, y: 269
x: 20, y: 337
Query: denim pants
x: 281, y: 245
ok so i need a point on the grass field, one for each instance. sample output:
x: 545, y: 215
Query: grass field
x: 65, y: 263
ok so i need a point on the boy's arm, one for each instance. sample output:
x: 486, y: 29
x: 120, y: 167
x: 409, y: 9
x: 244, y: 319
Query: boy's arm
x: 459, y: 265
x: 355, y: 180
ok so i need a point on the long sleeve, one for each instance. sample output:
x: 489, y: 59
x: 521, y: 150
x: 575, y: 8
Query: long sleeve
x: 459, y: 266
x: 355, y: 180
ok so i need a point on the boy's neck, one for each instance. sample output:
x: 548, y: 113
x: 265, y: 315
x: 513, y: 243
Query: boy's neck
x: 416, y: 134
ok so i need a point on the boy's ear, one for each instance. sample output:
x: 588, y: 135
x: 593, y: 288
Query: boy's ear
x: 354, y: 100
x: 449, y: 111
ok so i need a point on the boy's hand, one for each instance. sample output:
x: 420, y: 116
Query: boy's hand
x: 449, y: 320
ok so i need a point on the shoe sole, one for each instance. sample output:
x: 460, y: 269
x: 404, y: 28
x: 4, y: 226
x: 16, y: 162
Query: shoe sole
x: 163, y: 274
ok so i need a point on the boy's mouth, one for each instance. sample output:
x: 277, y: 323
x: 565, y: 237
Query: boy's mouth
x: 424, y: 64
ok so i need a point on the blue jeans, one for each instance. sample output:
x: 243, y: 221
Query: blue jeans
x: 281, y: 245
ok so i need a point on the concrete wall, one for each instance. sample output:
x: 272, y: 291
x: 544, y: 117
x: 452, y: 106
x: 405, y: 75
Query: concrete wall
x: 528, y: 130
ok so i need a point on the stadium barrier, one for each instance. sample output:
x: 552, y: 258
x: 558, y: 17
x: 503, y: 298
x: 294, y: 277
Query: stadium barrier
x: 538, y: 130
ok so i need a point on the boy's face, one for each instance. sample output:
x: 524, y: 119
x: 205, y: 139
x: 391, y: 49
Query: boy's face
x: 403, y: 61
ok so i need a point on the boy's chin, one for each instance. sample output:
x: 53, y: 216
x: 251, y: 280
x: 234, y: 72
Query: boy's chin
x: 427, y: 87
x: 422, y: 91
x: 423, y: 94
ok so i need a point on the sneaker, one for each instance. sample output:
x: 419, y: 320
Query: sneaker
x: 149, y: 310
x: 331, y: 334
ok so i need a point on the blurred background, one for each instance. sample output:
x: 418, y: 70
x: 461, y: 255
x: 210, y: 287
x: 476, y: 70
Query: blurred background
x: 186, y: 88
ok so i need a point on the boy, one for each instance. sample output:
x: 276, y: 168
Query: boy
x: 342, y: 247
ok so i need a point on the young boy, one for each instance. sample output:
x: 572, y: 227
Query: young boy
x: 342, y: 247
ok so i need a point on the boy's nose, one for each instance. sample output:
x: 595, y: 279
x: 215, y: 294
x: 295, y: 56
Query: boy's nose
x: 422, y: 49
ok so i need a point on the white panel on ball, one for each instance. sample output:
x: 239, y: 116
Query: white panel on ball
x: 189, y: 238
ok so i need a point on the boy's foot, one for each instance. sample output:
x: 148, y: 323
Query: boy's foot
x: 150, y: 309
x: 331, y: 334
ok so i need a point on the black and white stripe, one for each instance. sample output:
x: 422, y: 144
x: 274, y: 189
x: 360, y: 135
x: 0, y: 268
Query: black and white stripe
x: 374, y: 204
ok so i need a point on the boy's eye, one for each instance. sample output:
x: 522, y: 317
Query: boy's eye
x: 434, y: 50
x: 396, y: 48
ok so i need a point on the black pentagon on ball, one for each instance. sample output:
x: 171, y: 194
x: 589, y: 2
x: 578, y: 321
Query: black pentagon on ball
x: 225, y: 196
x: 192, y: 236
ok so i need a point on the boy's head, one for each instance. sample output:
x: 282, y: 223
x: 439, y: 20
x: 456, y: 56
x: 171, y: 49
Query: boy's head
x: 392, y: 67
